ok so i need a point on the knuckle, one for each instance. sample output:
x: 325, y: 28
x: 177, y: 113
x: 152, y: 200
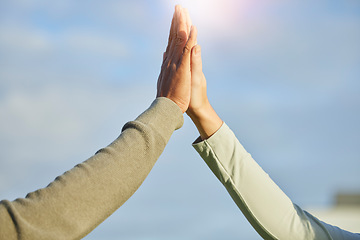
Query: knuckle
x: 187, y: 49
x: 180, y: 41
x: 172, y: 36
x: 172, y: 67
x: 180, y: 38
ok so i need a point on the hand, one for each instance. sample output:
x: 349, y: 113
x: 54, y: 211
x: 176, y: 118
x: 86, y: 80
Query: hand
x: 200, y: 111
x: 199, y: 102
x: 175, y: 77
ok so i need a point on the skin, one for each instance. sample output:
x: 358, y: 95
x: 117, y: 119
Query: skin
x: 174, y: 81
x: 200, y: 110
x: 181, y: 78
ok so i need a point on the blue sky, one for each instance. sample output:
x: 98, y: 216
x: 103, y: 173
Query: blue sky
x: 283, y: 75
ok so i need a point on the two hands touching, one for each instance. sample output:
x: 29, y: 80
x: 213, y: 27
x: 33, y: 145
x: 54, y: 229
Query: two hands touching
x: 269, y: 210
x: 181, y: 78
x: 79, y: 200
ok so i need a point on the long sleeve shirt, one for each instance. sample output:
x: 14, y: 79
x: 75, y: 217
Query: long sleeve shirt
x: 83, y: 197
x: 272, y: 214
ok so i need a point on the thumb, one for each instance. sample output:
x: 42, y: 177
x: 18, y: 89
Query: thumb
x: 196, y: 62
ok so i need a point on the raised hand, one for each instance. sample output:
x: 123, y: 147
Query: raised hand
x: 200, y: 111
x: 175, y: 77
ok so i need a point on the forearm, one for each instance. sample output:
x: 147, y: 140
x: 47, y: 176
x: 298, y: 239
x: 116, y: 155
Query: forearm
x: 267, y: 208
x: 80, y: 199
x: 206, y: 120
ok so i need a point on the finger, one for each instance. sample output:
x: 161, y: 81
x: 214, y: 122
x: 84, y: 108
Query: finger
x: 172, y: 33
x: 172, y: 39
x: 181, y: 37
x: 189, y: 45
x: 188, y: 21
x: 163, y: 59
x: 196, y: 62
x: 182, y: 26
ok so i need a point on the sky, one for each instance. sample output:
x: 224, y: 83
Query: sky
x: 283, y: 75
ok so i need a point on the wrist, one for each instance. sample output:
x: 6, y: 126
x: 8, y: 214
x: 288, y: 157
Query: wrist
x: 206, y: 120
x: 199, y: 112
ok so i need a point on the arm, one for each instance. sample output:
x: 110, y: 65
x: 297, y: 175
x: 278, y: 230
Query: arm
x: 264, y: 204
x: 267, y: 208
x: 80, y: 199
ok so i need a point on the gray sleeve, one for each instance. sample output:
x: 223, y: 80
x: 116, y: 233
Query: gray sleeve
x: 80, y: 199
x: 264, y: 204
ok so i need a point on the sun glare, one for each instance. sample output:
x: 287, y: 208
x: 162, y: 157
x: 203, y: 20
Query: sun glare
x: 213, y: 17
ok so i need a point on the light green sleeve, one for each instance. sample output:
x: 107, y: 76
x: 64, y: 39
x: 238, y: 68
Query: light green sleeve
x: 264, y: 204
x: 80, y: 199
